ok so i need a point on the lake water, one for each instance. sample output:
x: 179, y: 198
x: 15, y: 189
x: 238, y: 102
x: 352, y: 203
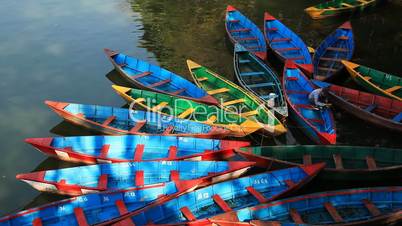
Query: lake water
x: 53, y: 49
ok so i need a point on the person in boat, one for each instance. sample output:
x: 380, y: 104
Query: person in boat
x: 318, y: 98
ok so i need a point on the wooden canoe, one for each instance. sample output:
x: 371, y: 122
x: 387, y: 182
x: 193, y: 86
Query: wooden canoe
x: 139, y: 73
x: 256, y: 77
x: 233, y: 97
x: 128, y: 148
x: 375, y: 81
x: 336, y: 47
x: 187, y: 109
x: 82, y: 180
x: 361, y: 206
x: 98, y: 208
x: 337, y: 7
x: 121, y: 121
x: 286, y: 44
x: 227, y: 196
x: 242, y: 30
x: 318, y: 125
x: 377, y: 110
x: 343, y: 163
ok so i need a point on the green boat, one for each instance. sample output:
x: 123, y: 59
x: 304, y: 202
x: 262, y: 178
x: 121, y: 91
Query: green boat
x: 234, y: 98
x: 375, y: 81
x: 343, y: 163
x: 336, y: 7
x: 188, y: 109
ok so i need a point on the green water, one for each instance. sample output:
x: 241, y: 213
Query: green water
x: 52, y: 49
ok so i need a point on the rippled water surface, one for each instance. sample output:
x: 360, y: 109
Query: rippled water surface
x: 52, y: 49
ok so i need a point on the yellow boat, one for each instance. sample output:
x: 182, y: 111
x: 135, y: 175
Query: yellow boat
x: 336, y: 7
x: 234, y: 98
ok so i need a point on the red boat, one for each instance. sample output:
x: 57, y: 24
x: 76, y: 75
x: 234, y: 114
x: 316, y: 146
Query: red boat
x: 377, y: 110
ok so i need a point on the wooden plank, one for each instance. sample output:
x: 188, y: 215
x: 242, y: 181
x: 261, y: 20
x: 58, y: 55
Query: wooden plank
x: 80, y: 217
x: 250, y: 113
x: 159, y: 106
x: 371, y: 207
x: 260, y: 197
x: 240, y: 30
x: 217, y: 91
x: 296, y: 216
x: 346, y: 5
x: 290, y: 183
x: 102, y: 182
x: 281, y: 40
x: 338, y: 49
x: 307, y: 159
x: 330, y: 59
x: 221, y: 203
x: 137, y: 76
x: 202, y: 79
x: 138, y: 126
x: 367, y: 77
x: 232, y: 102
x: 338, y: 161
x: 186, y: 113
x: 139, y: 151
x: 371, y: 164
x: 37, y: 222
x: 104, y: 150
x: 393, y: 89
x: 211, y: 119
x: 187, y: 213
x: 139, y: 178
x: 160, y: 83
x: 109, y: 120
x: 121, y: 207
x: 333, y: 212
x: 168, y: 130
x: 174, y: 175
x: 246, y: 39
x: 177, y: 92
x: 343, y: 38
x: 172, y: 152
x: 287, y: 49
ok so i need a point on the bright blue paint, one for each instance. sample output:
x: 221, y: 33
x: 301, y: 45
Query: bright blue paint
x: 123, y: 147
x: 122, y: 175
x: 156, y: 123
x: 333, y: 41
x: 258, y: 45
x: 233, y: 192
x: 294, y: 42
x: 136, y: 66
x: 302, y: 84
x: 398, y: 117
x: 313, y: 212
x: 97, y: 207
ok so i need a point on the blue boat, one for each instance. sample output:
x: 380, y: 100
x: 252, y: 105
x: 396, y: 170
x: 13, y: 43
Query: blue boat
x: 338, y: 46
x: 122, y: 121
x: 128, y: 148
x: 81, y: 180
x: 97, y: 208
x: 139, y: 73
x: 362, y: 206
x: 242, y: 30
x: 226, y: 196
x: 259, y: 79
x: 286, y: 44
x: 317, y: 124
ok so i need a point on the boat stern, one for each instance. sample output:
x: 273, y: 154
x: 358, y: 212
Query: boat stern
x: 314, y: 12
x: 122, y: 91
